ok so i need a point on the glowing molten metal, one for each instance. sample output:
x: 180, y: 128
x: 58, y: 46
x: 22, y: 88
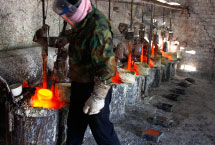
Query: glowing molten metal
x: 44, y: 95
x: 116, y: 79
x: 45, y: 98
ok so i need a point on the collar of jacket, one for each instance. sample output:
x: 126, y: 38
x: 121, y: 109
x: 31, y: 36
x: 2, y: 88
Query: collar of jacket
x: 83, y: 23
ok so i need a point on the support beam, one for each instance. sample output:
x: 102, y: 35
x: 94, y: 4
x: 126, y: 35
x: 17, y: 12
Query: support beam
x: 165, y: 5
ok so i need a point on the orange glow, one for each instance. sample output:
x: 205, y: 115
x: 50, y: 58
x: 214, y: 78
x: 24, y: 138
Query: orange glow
x: 153, y: 51
x: 129, y: 61
x: 68, y: 20
x: 25, y: 84
x: 163, y: 53
x: 169, y: 57
x: 162, y: 45
x: 129, y: 56
x: 136, y: 69
x: 152, y: 132
x: 44, y: 98
x: 116, y: 79
x: 44, y: 95
x: 141, y: 57
x: 151, y: 63
x: 44, y: 69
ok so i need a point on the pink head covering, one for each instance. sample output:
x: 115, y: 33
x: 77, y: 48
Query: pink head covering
x: 84, y: 8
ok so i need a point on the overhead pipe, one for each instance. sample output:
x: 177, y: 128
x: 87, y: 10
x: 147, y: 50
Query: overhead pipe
x: 165, y: 5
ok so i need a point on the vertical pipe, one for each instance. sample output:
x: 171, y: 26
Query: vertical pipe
x: 43, y: 9
x: 109, y: 10
x: 96, y: 3
x: 170, y: 23
x: 142, y: 16
x: 44, y: 71
x: 150, y: 33
x: 45, y: 46
x: 129, y: 55
x: 162, y: 47
x: 131, y: 22
x: 163, y: 15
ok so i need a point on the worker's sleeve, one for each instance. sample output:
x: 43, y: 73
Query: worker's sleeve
x: 103, y: 57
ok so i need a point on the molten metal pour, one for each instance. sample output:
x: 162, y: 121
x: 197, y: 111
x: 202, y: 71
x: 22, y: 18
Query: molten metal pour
x: 44, y: 71
x: 129, y: 55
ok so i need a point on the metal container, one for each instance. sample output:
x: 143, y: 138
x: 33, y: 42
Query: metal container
x: 142, y: 68
x: 38, y: 126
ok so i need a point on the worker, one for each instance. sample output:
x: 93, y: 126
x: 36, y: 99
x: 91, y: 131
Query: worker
x: 92, y: 64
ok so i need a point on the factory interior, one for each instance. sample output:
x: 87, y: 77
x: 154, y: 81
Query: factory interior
x: 163, y: 90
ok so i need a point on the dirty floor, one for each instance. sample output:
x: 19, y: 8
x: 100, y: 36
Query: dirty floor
x: 193, y: 115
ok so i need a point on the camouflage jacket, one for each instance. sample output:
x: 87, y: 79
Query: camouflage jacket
x: 91, y: 49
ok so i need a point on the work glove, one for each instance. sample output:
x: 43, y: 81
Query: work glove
x: 97, y: 99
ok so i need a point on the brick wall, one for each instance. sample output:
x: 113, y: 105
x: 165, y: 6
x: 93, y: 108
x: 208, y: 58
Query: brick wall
x: 197, y: 31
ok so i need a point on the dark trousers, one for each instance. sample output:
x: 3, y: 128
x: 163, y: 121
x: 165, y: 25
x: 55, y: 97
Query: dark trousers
x: 77, y: 122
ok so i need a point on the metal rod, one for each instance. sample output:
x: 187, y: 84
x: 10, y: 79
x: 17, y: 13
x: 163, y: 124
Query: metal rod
x: 163, y: 15
x: 109, y: 9
x: 170, y: 21
x: 131, y: 22
x: 179, y: 8
x: 142, y: 15
x: 45, y: 46
x: 150, y: 33
x: 43, y: 9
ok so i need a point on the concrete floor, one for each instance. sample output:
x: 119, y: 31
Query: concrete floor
x: 193, y: 115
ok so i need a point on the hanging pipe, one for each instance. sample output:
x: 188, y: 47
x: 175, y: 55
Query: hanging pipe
x: 45, y: 46
x: 150, y: 34
x: 132, y: 4
x: 109, y: 10
x: 160, y: 4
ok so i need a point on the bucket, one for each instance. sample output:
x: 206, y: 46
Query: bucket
x: 142, y: 68
x: 127, y: 76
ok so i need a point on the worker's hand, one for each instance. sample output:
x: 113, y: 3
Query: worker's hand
x: 96, y: 102
x: 93, y: 105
